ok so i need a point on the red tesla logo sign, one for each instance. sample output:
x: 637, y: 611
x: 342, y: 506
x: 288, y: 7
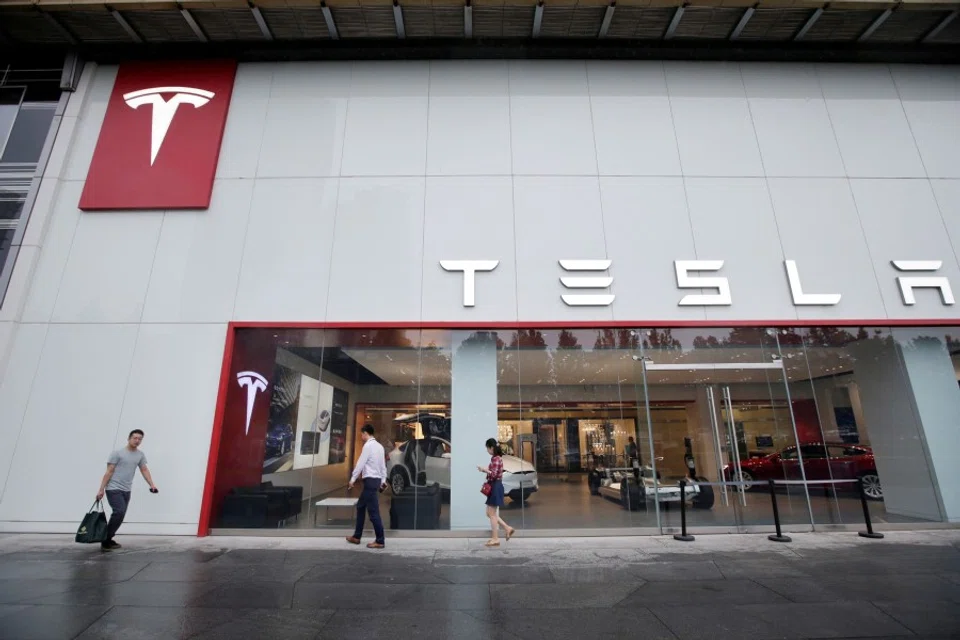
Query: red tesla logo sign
x: 160, y: 139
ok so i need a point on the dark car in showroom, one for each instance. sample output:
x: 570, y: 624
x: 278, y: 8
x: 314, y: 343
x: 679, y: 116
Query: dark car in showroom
x: 279, y: 440
x: 821, y: 461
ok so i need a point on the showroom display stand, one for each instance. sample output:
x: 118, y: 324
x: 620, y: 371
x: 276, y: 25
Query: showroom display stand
x: 683, y: 536
x: 778, y: 537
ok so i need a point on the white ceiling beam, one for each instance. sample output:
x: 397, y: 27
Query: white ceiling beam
x: 812, y: 20
x: 398, y: 20
x: 875, y: 25
x: 126, y: 26
x: 328, y: 18
x: 192, y: 23
x: 607, y: 19
x: 467, y: 20
x: 537, y: 19
x: 744, y: 19
x: 950, y: 17
x: 53, y: 20
x: 258, y: 16
x: 674, y: 23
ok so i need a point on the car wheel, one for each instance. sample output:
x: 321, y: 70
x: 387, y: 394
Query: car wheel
x: 871, y: 485
x: 398, y: 482
x: 744, y: 476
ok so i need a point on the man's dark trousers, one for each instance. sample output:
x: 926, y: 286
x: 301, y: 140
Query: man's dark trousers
x: 369, y: 502
x: 119, y: 501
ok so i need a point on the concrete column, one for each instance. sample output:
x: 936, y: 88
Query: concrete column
x: 474, y: 419
x: 892, y: 421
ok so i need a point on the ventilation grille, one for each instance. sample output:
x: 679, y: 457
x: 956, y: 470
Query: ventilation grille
x: 93, y: 25
x: 433, y: 22
x: 503, y: 22
x: 571, y: 22
x: 907, y: 26
x: 296, y: 24
x: 711, y: 24
x: 840, y: 26
x: 640, y: 24
x: 160, y: 26
x: 228, y: 24
x: 30, y: 26
x: 365, y: 22
x: 775, y: 24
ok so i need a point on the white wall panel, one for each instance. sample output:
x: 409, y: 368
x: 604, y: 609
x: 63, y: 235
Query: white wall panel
x: 286, y: 255
x: 7, y: 333
x: 305, y: 121
x: 791, y: 121
x: 871, y: 128
x: 631, y: 118
x: 74, y: 407
x: 108, y: 271
x: 733, y: 221
x: 197, y: 264
x: 243, y: 135
x: 902, y: 222
x: 469, y: 124
x: 712, y: 120
x: 820, y: 230
x: 647, y: 228
x: 15, y: 388
x: 48, y: 196
x: 18, y: 287
x: 947, y: 193
x: 550, y: 121
x: 90, y: 118
x: 930, y: 96
x: 45, y: 285
x: 469, y: 219
x: 386, y: 130
x: 557, y: 219
x: 377, y: 276
x: 171, y: 396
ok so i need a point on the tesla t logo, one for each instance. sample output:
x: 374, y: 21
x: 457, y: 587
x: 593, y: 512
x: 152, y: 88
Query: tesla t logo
x: 254, y: 382
x: 160, y: 139
x: 164, y: 110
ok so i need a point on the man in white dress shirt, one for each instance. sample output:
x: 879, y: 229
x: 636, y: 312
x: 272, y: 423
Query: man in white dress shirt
x: 373, y: 466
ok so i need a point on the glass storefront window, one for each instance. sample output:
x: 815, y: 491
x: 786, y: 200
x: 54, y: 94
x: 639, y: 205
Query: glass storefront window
x: 598, y: 426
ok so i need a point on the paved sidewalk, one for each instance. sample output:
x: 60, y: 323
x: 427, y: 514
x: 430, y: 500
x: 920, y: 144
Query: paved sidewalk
x: 743, y: 587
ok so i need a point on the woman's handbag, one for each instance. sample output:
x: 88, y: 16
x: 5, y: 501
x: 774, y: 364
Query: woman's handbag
x: 93, y: 527
x: 486, y: 489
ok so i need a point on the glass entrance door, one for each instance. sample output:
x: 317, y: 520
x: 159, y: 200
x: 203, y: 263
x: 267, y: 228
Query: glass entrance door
x: 720, y: 419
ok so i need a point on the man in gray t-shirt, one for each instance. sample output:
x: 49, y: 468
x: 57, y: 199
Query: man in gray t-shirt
x: 117, y: 483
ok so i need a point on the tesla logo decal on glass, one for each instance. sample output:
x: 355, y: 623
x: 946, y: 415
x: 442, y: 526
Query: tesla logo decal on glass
x: 254, y: 382
x: 164, y: 110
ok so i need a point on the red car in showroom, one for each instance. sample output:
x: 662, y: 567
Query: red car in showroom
x: 821, y: 461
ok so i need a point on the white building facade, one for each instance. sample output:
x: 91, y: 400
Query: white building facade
x: 753, y: 265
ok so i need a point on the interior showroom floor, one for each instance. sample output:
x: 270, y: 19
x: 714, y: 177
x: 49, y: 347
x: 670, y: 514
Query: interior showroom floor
x: 564, y: 502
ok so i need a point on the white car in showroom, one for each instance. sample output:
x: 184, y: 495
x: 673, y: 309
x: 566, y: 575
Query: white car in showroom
x: 427, y: 461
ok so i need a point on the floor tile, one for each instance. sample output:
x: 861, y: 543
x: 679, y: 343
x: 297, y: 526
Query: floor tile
x: 366, y: 573
x: 445, y: 596
x: 669, y: 571
x: 84, y: 570
x: 926, y: 617
x: 864, y: 587
x: 208, y: 572
x: 827, y: 619
x: 266, y: 623
x: 586, y: 575
x: 411, y: 625
x: 49, y: 622
x: 495, y: 575
x: 247, y: 595
x: 558, y: 596
x: 157, y: 623
x: 583, y: 623
x: 318, y: 595
x: 701, y: 592
x: 148, y: 594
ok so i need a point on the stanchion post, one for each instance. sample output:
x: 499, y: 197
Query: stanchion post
x: 779, y: 537
x: 682, y: 536
x: 869, y: 533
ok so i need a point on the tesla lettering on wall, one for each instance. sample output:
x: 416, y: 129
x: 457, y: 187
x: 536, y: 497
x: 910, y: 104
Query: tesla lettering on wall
x: 722, y: 295
x: 160, y: 139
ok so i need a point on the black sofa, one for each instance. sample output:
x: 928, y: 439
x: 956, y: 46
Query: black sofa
x: 416, y: 508
x: 259, y: 507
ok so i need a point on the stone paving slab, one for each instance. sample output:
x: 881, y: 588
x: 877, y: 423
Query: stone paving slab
x: 726, y: 586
